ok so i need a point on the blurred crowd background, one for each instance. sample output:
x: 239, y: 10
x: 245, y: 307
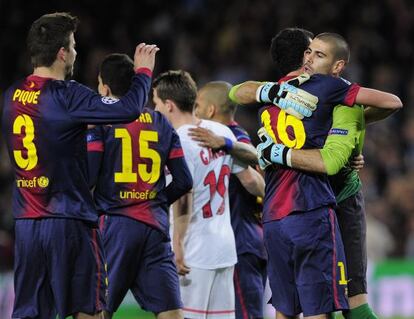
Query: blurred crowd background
x: 229, y: 40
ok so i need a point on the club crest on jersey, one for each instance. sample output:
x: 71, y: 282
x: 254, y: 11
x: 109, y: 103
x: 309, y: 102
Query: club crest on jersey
x: 109, y: 100
x: 338, y: 131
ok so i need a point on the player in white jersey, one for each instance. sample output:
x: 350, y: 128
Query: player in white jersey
x: 203, y: 238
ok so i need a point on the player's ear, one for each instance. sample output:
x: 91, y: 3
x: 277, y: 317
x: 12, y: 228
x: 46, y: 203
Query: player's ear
x: 106, y: 90
x: 61, y: 54
x: 211, y: 111
x: 170, y: 105
x: 338, y: 67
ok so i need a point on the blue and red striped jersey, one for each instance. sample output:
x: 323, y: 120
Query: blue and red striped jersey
x: 289, y: 190
x: 44, y: 122
x: 244, y: 209
x: 131, y: 178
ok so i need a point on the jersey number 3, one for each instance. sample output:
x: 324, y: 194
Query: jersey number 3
x: 29, y: 161
x: 127, y: 175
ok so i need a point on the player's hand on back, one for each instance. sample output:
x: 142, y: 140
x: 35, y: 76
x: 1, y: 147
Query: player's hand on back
x: 206, y: 138
x: 144, y: 56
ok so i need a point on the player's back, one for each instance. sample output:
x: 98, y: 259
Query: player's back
x: 49, y: 151
x: 44, y: 123
x: 131, y: 180
x: 209, y: 241
x: 289, y: 190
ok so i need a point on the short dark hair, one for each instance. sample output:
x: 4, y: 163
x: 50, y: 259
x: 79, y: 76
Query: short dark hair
x: 340, y: 46
x: 47, y: 35
x: 116, y: 71
x: 177, y: 86
x: 287, y: 48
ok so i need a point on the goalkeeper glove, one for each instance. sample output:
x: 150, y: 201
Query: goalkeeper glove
x: 288, y: 97
x: 270, y: 153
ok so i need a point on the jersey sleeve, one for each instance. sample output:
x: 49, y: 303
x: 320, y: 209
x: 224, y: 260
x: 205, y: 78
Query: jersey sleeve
x: 182, y: 181
x: 241, y: 135
x: 339, y: 90
x: 95, y: 145
x: 86, y: 106
x: 344, y: 137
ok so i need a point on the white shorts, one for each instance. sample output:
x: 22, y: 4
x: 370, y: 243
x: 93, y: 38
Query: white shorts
x: 208, y: 293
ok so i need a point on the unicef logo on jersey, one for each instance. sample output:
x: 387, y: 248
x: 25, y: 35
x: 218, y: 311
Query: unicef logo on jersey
x: 41, y: 181
x: 109, y: 100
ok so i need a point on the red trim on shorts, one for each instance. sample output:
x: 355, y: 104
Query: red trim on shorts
x: 335, y: 288
x: 98, y: 267
x: 240, y: 294
x: 209, y: 312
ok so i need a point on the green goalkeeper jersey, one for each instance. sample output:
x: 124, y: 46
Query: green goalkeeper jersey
x: 345, y: 139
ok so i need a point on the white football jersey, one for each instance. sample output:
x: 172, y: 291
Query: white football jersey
x: 209, y: 242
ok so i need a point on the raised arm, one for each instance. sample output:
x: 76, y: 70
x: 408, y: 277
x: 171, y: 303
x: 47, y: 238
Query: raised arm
x: 86, y: 106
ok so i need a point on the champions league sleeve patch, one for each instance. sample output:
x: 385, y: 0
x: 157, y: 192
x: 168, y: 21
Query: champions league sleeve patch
x: 338, y: 131
x: 109, y: 100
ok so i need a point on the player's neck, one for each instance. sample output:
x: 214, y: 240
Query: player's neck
x: 184, y: 118
x: 49, y: 72
x: 223, y: 119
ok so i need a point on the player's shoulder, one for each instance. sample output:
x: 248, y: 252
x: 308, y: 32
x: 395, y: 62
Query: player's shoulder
x: 326, y: 78
x: 237, y: 130
x: 217, y: 128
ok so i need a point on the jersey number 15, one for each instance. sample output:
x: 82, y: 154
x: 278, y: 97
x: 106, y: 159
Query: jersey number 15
x: 127, y: 175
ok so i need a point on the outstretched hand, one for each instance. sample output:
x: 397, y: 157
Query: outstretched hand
x: 144, y: 56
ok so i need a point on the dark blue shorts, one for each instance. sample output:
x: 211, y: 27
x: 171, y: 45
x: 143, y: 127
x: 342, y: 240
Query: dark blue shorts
x: 249, y: 283
x: 59, y: 268
x: 306, y: 265
x: 351, y: 220
x: 140, y: 258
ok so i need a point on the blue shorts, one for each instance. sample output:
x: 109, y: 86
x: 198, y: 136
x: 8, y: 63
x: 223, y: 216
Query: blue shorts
x: 249, y: 283
x: 351, y: 220
x: 58, y: 269
x: 139, y: 258
x: 306, y: 265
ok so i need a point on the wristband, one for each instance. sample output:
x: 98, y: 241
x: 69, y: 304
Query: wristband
x: 289, y: 158
x: 263, y: 92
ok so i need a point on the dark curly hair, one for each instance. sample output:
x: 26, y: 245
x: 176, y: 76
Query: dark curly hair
x: 47, y: 35
x: 287, y: 48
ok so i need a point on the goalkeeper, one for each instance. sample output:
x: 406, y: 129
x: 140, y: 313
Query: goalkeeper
x: 346, y: 137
